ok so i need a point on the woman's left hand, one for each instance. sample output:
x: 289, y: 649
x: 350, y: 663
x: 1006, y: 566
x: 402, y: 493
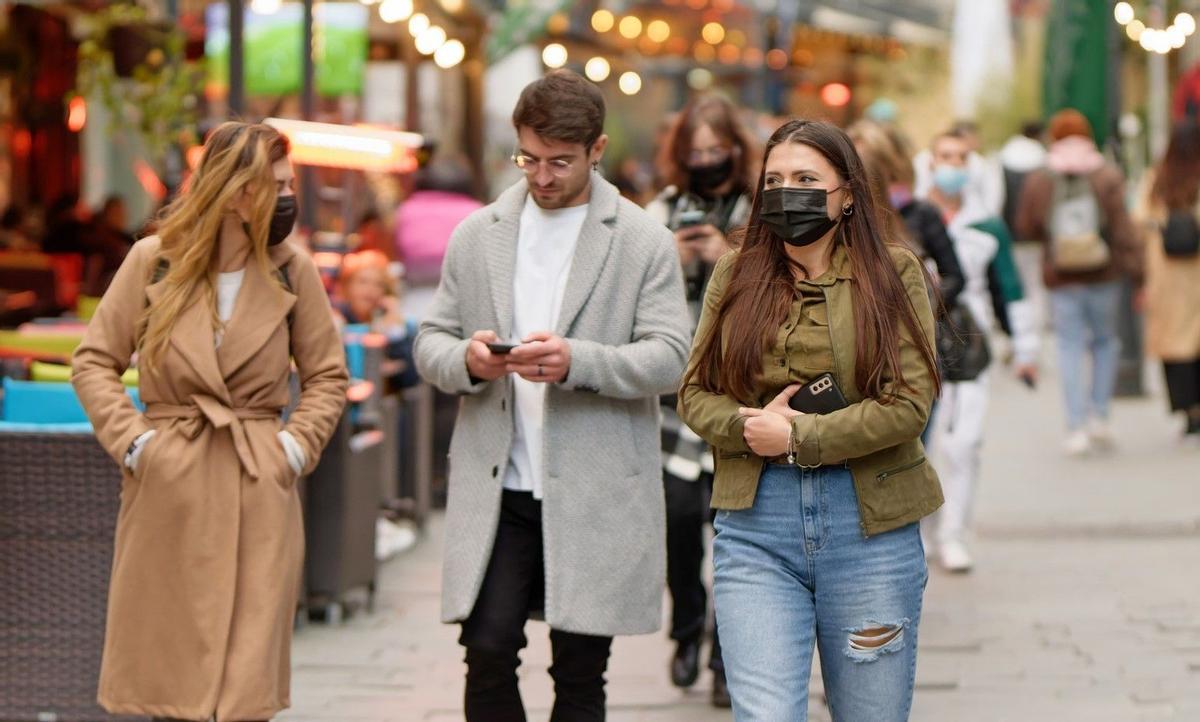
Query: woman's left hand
x: 766, y: 432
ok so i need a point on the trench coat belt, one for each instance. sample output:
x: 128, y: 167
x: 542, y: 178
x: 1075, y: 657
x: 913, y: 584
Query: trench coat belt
x: 204, y: 408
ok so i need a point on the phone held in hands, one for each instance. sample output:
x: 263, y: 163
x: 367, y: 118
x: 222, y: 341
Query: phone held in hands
x: 500, y: 349
x: 690, y: 219
x: 819, y: 396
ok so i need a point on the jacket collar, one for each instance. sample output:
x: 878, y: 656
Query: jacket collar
x: 840, y: 268
x: 591, y: 251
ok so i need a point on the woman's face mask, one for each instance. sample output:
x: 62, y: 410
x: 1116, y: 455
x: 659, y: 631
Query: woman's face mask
x: 800, y: 216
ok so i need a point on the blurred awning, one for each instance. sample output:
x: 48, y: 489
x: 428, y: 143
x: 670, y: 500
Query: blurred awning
x: 921, y: 22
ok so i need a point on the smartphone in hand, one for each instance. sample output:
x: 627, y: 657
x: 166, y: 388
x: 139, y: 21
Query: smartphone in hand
x: 500, y: 349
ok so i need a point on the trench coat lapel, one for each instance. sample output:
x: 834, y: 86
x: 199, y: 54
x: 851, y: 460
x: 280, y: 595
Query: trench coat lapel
x: 591, y: 251
x: 193, y: 338
x: 502, y: 254
x: 260, y: 307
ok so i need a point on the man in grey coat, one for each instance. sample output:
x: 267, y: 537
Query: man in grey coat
x: 555, y: 494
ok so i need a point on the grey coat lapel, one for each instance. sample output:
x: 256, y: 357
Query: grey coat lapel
x: 502, y: 253
x: 591, y: 251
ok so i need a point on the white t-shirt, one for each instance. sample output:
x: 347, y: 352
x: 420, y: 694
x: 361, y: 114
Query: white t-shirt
x: 545, y: 247
x: 228, y: 285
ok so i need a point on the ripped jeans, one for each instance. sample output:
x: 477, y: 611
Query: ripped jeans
x: 795, y: 569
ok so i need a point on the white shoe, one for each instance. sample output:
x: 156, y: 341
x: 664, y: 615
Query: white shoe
x: 1078, y: 444
x: 955, y: 557
x: 1101, y: 435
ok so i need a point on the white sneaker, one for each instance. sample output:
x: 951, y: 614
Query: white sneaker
x: 955, y: 557
x: 1101, y: 435
x: 1078, y: 444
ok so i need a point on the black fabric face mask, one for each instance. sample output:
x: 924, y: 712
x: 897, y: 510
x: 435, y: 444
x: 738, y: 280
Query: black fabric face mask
x: 800, y: 216
x: 706, y: 178
x: 283, y: 220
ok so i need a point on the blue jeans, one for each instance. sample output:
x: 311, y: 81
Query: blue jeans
x: 1085, y: 321
x: 795, y: 569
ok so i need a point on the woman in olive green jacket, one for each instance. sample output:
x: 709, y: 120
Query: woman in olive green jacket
x: 816, y: 536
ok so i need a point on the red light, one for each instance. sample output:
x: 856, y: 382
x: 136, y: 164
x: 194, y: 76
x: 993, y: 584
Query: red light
x: 149, y: 180
x: 76, y: 114
x: 22, y: 142
x: 194, y: 155
x: 835, y: 95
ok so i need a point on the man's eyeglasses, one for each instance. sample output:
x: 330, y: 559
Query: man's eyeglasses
x: 559, y: 168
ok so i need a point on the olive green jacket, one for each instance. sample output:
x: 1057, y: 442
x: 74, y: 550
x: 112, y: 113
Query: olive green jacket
x: 879, y: 442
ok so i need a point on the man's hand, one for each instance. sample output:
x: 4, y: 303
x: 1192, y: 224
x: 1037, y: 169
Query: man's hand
x: 542, y: 357
x: 482, y: 363
x: 766, y: 432
x: 1028, y: 374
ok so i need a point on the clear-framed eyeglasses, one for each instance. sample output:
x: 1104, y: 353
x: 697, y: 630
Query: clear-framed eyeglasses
x: 709, y: 156
x: 559, y: 167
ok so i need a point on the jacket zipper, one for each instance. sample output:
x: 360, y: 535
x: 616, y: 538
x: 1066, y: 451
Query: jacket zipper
x: 892, y: 472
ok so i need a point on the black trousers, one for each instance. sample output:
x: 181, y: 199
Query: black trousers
x: 1183, y: 384
x: 494, y: 634
x: 687, y: 511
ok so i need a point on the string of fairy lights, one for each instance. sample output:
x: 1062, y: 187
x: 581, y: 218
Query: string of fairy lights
x: 1155, y: 40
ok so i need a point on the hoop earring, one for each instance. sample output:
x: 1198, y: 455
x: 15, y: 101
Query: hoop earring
x: 848, y: 210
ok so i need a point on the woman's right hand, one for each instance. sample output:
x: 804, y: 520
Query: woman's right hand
x: 779, y: 404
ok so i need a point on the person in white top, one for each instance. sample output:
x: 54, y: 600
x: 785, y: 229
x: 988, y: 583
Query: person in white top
x: 559, y: 320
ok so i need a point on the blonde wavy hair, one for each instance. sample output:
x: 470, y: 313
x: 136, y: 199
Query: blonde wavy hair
x: 237, y: 157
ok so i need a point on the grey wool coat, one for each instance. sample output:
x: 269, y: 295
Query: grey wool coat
x: 624, y: 316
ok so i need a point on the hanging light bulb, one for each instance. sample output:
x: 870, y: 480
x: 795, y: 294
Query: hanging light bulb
x: 1186, y: 22
x: 395, y: 11
x: 554, y: 55
x: 265, y: 7
x: 429, y: 41
x: 630, y: 83
x: 1135, y: 30
x: 603, y: 21
x: 597, y: 69
x: 630, y: 27
x: 1123, y: 12
x: 450, y: 54
x: 418, y: 24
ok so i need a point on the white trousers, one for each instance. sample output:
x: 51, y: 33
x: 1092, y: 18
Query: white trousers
x: 955, y: 447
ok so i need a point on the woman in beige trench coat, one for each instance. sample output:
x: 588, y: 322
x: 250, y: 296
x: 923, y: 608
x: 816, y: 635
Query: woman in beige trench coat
x: 1171, y: 297
x: 210, y: 541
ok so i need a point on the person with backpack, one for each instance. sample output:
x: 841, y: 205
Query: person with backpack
x: 209, y: 543
x: 992, y: 294
x: 1169, y: 215
x: 1076, y: 207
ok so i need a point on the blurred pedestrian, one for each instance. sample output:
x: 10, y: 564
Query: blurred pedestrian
x: 992, y: 294
x: 1076, y: 207
x: 210, y: 539
x: 709, y: 159
x: 442, y: 198
x: 811, y: 546
x: 984, y: 172
x: 1021, y: 155
x: 65, y: 226
x: 1169, y: 214
x: 107, y: 243
x: 368, y: 296
x: 559, y: 320
x: 372, y: 235
x: 14, y: 231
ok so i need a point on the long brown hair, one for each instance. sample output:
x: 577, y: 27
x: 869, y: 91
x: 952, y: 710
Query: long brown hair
x: 1177, y: 182
x: 721, y: 117
x: 237, y: 157
x: 761, y: 288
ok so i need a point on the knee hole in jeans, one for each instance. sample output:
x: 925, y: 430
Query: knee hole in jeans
x: 868, y: 642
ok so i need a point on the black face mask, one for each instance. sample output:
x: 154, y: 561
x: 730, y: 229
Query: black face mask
x: 283, y: 220
x: 706, y: 178
x: 800, y: 216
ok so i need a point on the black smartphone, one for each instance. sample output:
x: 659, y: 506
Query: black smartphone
x: 819, y: 396
x: 501, y: 348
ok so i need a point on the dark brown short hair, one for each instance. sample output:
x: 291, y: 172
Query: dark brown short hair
x: 561, y: 106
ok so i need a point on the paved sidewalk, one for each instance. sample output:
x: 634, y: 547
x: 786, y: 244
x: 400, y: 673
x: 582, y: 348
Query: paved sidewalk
x: 1084, y: 605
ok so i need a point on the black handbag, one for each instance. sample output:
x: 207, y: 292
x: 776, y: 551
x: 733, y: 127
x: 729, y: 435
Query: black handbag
x: 962, y: 346
x: 1181, y: 234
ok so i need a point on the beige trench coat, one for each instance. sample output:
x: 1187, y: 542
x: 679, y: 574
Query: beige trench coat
x: 210, y: 540
x: 1172, y: 289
